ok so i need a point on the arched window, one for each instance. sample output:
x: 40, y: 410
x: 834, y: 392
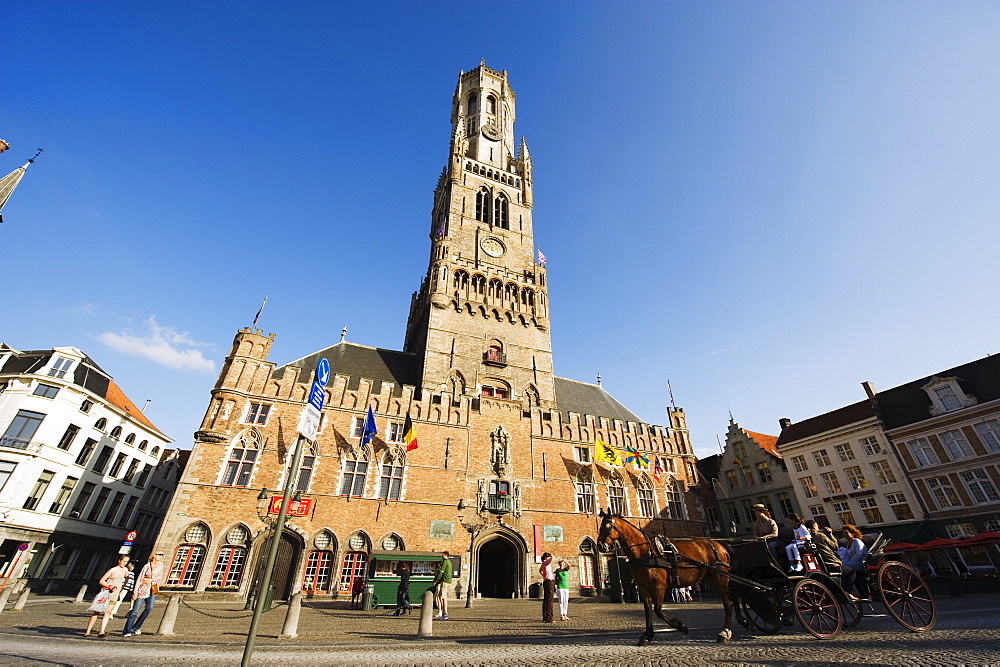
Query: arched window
x: 494, y: 352
x: 495, y: 388
x: 483, y: 205
x: 531, y: 394
x: 456, y: 385
x: 101, y: 424
x: 143, y: 445
x: 306, y: 470
x: 130, y: 439
x: 491, y: 104
x: 154, y: 451
x: 116, y: 432
x: 647, y: 502
x: 675, y: 505
x: 355, y: 472
x: 391, y: 481
x: 501, y: 212
x: 319, y: 564
x: 460, y: 280
x: 473, y: 104
x: 355, y: 560
x: 616, y: 494
x: 232, y: 558
x: 585, y: 491
x: 588, y: 564
x: 188, y: 557
x: 242, y: 458
x: 392, y: 542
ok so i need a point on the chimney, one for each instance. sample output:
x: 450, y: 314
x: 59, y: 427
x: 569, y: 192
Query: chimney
x: 869, y: 389
x: 785, y: 422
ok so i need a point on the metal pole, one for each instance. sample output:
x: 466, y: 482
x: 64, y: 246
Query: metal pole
x: 272, y: 552
x: 468, y: 588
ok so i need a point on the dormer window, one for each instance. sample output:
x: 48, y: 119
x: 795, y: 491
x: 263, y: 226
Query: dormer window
x: 947, y: 396
x: 60, y: 367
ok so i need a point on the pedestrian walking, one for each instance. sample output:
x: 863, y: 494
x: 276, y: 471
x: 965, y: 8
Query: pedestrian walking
x: 548, y: 586
x: 562, y: 589
x: 104, y: 601
x: 441, y: 578
x: 127, y: 587
x: 146, y: 589
x: 403, y: 590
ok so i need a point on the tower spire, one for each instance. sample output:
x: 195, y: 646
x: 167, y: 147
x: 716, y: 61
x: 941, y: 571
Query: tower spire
x: 10, y: 181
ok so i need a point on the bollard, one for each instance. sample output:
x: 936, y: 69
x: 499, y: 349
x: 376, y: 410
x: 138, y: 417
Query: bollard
x: 81, y: 596
x: 426, y: 628
x: 290, y: 630
x: 4, y: 596
x: 21, y: 599
x: 169, y: 616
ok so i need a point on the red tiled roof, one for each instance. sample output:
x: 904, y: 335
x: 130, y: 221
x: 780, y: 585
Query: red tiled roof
x: 769, y: 443
x: 117, y: 398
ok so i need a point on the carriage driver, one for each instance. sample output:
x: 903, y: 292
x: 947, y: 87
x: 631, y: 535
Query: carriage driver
x: 764, y: 528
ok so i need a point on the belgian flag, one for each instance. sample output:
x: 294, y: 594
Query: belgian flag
x: 409, y: 436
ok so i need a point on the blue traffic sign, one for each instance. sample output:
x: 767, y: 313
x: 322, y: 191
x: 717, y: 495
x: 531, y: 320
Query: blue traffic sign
x: 323, y: 371
x: 317, y: 395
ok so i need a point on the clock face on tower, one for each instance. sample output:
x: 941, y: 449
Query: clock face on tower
x: 491, y: 132
x: 492, y: 247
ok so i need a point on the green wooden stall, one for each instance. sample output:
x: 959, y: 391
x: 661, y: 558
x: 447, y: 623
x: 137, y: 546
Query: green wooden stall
x: 382, y: 573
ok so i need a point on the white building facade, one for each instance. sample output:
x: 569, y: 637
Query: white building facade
x: 77, y: 459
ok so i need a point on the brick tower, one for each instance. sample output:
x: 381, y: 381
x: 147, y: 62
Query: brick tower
x: 480, y: 318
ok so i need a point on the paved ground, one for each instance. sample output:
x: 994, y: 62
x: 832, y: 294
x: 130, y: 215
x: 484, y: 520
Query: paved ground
x: 493, y: 632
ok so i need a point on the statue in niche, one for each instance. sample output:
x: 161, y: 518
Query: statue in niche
x: 500, y: 456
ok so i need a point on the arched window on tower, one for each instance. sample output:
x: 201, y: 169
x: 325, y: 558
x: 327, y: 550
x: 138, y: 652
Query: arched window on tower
x: 531, y: 395
x: 473, y: 104
x: 494, y: 353
x: 501, y: 212
x: 483, y: 204
x: 491, y: 104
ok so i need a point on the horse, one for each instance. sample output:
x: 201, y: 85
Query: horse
x: 683, y: 565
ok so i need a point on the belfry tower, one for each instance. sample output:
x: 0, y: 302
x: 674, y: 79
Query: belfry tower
x: 480, y: 319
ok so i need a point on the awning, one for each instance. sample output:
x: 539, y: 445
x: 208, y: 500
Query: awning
x: 940, y: 543
x: 989, y: 537
x: 915, y: 533
x: 901, y: 546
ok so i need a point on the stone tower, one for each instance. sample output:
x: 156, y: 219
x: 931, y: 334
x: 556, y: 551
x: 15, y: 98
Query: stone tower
x: 480, y: 319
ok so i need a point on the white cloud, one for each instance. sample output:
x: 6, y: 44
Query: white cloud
x: 162, y: 345
x: 82, y: 309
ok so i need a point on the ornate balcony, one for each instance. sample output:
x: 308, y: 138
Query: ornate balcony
x: 499, y: 504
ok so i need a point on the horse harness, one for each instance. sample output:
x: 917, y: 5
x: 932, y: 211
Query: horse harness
x: 663, y: 554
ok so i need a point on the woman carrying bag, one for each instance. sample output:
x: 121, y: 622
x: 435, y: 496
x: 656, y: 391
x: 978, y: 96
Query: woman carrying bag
x: 111, y: 590
x: 146, y: 589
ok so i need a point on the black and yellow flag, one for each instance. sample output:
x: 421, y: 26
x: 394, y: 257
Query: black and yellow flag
x: 409, y: 436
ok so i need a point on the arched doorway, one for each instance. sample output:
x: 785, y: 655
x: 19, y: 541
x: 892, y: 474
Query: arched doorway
x: 283, y: 575
x: 497, y: 565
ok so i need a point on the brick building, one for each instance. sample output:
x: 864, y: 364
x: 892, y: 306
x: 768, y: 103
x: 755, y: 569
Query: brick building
x: 496, y: 427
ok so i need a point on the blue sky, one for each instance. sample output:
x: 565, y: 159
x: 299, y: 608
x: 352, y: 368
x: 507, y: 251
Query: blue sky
x: 765, y: 203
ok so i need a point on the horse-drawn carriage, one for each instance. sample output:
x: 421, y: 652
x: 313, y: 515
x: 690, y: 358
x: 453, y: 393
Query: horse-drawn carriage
x: 753, y: 584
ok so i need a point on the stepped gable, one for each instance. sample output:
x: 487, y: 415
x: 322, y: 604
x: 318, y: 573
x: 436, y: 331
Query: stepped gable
x: 909, y: 403
x: 821, y: 423
x: 590, y: 399
x: 361, y: 361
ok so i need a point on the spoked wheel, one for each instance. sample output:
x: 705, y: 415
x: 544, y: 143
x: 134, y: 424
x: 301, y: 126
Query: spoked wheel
x: 817, y: 609
x: 853, y: 613
x: 756, y: 621
x: 906, y: 596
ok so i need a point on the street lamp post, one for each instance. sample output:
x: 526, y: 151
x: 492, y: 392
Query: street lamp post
x: 474, y: 525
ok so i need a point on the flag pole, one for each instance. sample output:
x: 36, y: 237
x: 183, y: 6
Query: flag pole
x: 257, y: 316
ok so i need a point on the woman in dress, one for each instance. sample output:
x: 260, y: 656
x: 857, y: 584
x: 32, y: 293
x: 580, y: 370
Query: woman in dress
x: 111, y: 582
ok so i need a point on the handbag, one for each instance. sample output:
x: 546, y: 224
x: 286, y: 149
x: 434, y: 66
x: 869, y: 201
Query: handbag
x: 100, y: 602
x: 154, y: 588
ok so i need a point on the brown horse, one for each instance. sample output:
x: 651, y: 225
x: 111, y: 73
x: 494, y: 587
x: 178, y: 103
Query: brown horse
x: 656, y: 573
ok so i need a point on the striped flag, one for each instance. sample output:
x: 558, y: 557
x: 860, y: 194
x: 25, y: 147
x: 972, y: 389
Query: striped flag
x: 542, y: 259
x: 636, y: 457
x: 409, y: 435
x: 657, y: 468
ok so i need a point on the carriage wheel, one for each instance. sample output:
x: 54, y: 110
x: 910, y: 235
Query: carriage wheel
x: 853, y: 613
x: 817, y: 609
x: 906, y: 596
x: 756, y: 621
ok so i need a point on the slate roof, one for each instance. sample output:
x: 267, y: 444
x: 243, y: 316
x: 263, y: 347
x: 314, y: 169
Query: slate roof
x: 361, y: 361
x: 908, y: 403
x: 821, y: 423
x: 590, y: 399
x: 404, y: 368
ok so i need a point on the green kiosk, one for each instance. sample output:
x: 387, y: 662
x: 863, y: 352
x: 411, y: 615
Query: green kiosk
x: 384, y: 580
